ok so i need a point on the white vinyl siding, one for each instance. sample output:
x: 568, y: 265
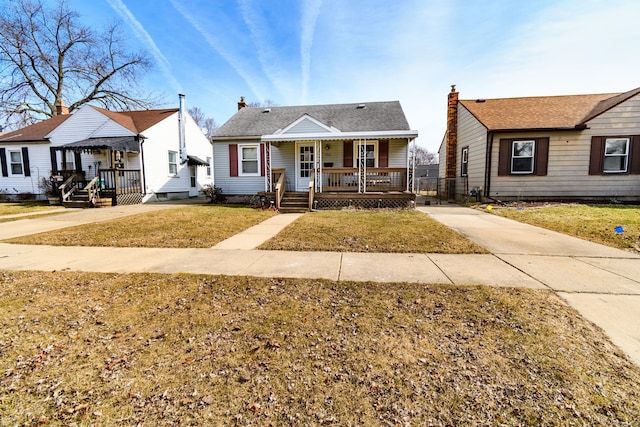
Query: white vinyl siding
x: 234, y: 184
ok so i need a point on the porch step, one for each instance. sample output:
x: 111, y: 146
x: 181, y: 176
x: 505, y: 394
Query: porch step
x: 294, y: 202
x: 76, y: 204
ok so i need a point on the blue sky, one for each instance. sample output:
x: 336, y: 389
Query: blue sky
x: 296, y: 52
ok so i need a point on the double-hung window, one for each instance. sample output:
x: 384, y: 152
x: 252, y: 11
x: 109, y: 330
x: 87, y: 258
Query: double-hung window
x: 16, y: 162
x: 208, y: 166
x: 616, y: 155
x: 522, y: 156
x: 173, y: 162
x: 369, y: 151
x: 465, y: 162
x: 248, y: 156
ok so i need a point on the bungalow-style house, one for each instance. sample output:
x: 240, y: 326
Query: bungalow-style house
x: 577, y: 147
x: 318, y: 156
x: 129, y: 157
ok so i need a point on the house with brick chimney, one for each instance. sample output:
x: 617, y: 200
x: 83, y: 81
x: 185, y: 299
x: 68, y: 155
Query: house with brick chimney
x: 96, y: 154
x: 573, y: 147
x: 317, y: 156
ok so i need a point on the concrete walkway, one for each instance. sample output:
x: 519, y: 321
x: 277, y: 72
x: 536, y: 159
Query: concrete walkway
x: 600, y: 282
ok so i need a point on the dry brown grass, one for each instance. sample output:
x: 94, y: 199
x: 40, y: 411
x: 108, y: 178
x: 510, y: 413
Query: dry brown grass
x: 26, y: 207
x: 193, y: 226
x: 147, y: 349
x: 370, y: 231
x: 596, y: 223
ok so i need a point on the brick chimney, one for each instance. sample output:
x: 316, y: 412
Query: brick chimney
x: 451, y: 143
x: 61, y: 108
x: 242, y: 104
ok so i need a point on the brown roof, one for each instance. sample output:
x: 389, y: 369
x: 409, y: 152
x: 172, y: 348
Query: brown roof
x: 35, y: 132
x: 138, y: 121
x: 543, y: 112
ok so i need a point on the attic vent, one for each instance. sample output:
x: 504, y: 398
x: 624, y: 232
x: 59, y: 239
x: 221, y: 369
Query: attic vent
x: 361, y: 107
x: 479, y: 101
x: 266, y: 110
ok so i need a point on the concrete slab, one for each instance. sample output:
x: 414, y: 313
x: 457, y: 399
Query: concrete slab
x: 505, y: 236
x: 254, y: 236
x: 314, y: 265
x: 572, y: 275
x: 629, y: 268
x: 208, y: 261
x: 482, y: 269
x: 376, y: 267
x: 618, y: 315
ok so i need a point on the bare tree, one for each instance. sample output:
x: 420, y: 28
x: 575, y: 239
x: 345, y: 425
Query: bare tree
x: 48, y: 57
x: 422, y: 156
x: 207, y: 124
x: 264, y: 104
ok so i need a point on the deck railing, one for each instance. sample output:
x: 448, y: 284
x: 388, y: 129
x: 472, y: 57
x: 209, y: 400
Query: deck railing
x: 120, y: 181
x: 376, y: 179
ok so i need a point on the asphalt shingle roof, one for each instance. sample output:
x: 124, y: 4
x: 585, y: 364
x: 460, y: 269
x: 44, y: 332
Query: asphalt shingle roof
x: 34, y: 132
x: 376, y: 116
x: 543, y: 112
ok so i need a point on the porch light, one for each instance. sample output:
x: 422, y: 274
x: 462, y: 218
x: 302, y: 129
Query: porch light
x: 326, y: 147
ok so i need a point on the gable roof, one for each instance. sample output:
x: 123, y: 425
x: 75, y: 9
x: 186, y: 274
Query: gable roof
x: 137, y: 121
x: 375, y: 116
x: 34, y: 132
x: 543, y: 112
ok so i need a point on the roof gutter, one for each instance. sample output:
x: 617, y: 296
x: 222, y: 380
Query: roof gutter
x: 410, y: 134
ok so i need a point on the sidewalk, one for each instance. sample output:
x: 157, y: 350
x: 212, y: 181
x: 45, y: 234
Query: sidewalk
x: 600, y: 282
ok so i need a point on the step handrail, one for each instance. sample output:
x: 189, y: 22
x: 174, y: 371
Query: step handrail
x: 93, y: 189
x: 280, y: 187
x: 72, y: 184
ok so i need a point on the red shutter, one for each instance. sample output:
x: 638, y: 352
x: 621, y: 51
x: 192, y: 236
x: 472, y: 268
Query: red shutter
x: 634, y: 155
x: 347, y: 156
x: 542, y: 156
x: 597, y: 154
x: 504, y: 157
x: 383, y: 153
x: 263, y: 166
x: 233, y: 159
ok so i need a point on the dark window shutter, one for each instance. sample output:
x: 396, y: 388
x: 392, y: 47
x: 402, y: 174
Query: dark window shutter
x: 78, y: 161
x: 233, y: 159
x: 504, y: 157
x: 25, y: 161
x: 383, y: 153
x: 263, y: 166
x: 542, y: 156
x: 347, y: 157
x: 597, y: 154
x: 634, y: 155
x: 3, y: 161
x: 54, y: 161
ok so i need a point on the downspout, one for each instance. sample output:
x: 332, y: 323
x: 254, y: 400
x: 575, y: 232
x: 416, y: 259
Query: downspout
x: 487, y: 162
x: 181, y: 132
x: 144, y: 178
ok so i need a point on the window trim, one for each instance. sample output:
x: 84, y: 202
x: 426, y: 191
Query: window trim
x: 532, y: 157
x: 241, y: 160
x: 464, y: 161
x: 625, y: 155
x: 376, y: 152
x: 173, y: 163
x: 13, y: 163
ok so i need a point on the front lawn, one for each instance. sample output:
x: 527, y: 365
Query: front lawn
x: 150, y: 349
x: 192, y: 226
x: 596, y: 223
x: 406, y: 231
x: 26, y: 207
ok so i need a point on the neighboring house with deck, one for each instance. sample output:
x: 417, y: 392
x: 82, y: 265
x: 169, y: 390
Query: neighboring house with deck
x: 318, y: 156
x: 128, y: 157
x: 576, y: 147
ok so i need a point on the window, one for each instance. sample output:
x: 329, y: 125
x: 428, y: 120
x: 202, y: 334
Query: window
x: 173, y: 162
x: 249, y: 159
x: 16, y: 162
x: 370, y: 150
x: 616, y: 155
x: 522, y: 156
x: 465, y: 162
x: 208, y: 166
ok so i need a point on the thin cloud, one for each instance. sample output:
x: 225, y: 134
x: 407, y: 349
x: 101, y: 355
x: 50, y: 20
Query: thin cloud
x: 310, y: 13
x: 234, y: 60
x: 142, y: 35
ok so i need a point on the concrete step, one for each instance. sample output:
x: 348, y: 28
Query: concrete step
x: 76, y: 204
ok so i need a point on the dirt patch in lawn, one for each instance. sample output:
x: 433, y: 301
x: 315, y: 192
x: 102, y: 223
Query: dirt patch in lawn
x: 148, y: 349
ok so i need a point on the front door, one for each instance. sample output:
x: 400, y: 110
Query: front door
x: 193, y: 175
x: 304, y: 165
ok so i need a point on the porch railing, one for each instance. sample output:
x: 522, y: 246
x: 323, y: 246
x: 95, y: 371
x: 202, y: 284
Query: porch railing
x: 312, y: 190
x: 280, y: 185
x: 376, y: 179
x: 120, y: 181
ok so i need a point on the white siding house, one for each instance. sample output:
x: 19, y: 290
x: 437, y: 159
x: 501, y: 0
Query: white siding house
x: 578, y: 147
